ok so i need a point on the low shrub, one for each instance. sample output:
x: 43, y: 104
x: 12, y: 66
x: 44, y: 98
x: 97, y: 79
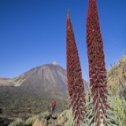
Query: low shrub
x: 17, y: 122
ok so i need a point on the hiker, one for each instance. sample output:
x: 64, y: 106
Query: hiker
x: 53, y: 105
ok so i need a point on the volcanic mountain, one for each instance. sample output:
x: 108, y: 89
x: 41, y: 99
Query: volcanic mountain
x: 47, y: 80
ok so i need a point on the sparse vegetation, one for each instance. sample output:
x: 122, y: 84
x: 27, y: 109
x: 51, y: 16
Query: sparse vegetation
x: 17, y: 122
x: 23, y: 105
x: 119, y: 110
x: 30, y: 121
x: 117, y: 78
x: 117, y: 115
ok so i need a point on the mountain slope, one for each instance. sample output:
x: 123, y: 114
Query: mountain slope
x: 117, y: 78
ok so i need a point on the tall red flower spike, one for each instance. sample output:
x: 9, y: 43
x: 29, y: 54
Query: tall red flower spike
x: 97, y: 70
x: 74, y: 76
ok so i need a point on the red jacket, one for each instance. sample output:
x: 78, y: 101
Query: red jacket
x: 53, y: 104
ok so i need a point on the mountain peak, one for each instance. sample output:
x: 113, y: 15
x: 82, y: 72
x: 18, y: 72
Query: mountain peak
x: 54, y: 63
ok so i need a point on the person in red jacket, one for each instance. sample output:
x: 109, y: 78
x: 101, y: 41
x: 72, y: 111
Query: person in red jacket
x: 53, y: 106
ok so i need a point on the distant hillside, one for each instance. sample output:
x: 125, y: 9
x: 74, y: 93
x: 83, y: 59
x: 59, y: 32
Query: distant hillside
x: 117, y: 78
x: 32, y: 92
x: 6, y: 82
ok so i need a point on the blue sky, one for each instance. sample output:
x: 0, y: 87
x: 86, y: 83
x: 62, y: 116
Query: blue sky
x: 33, y: 32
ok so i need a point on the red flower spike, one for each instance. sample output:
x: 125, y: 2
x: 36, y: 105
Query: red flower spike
x: 74, y: 76
x: 97, y: 71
